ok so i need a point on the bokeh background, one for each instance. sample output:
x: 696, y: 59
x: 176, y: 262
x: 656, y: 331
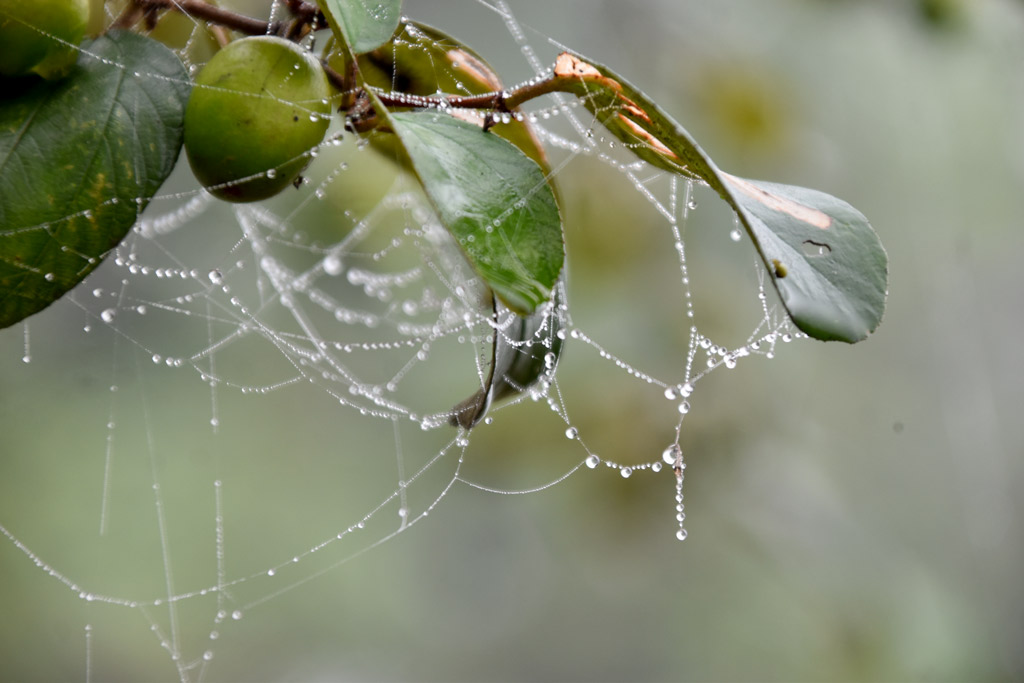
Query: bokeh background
x: 854, y: 511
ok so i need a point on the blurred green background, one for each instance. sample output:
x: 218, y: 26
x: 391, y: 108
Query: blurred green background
x: 853, y: 510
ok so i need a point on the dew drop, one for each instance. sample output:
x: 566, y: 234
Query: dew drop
x: 571, y: 433
x: 208, y: 655
x: 216, y: 277
x: 107, y: 316
x: 671, y: 394
x: 671, y: 454
x: 686, y: 389
x: 684, y: 407
x: 50, y: 277
x: 236, y: 615
x: 271, y: 172
x: 735, y: 235
x: 332, y: 264
x: 681, y: 534
x: 593, y: 461
x: 626, y: 472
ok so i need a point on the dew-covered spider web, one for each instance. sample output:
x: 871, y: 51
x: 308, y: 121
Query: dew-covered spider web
x: 292, y: 366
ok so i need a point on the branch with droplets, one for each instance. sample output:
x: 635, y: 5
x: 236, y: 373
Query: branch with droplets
x: 494, y: 104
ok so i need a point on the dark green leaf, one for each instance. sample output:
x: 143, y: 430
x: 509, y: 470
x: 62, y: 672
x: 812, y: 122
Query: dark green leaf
x: 493, y: 199
x: 362, y: 25
x: 522, y: 353
x: 825, y: 260
x: 79, y: 160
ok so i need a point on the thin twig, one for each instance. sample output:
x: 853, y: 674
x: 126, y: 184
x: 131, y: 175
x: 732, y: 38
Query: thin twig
x: 303, y: 11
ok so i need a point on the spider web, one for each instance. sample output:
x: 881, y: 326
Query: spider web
x: 325, y: 335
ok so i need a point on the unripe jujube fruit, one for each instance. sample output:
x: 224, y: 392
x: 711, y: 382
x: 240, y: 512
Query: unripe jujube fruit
x: 31, y: 35
x: 257, y: 107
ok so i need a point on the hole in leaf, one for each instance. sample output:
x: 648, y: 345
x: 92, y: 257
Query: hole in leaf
x: 812, y: 248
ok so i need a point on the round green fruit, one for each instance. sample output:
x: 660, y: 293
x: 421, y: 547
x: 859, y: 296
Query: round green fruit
x: 257, y: 108
x: 41, y: 37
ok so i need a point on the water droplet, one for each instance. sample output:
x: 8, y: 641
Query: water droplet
x: 208, y: 655
x: 684, y: 407
x: 671, y: 454
x: 271, y: 172
x: 735, y: 235
x: 626, y: 472
x: 216, y: 277
x: 593, y: 461
x: 686, y: 389
x: 107, y: 316
x: 270, y: 572
x: 50, y: 277
x: 671, y: 394
x: 681, y: 534
x: 236, y: 615
x: 571, y: 433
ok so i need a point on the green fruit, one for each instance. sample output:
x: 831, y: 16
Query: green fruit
x: 256, y: 110
x: 31, y: 35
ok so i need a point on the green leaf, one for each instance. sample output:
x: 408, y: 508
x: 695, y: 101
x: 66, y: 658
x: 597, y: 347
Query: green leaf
x: 362, y: 25
x: 422, y: 60
x: 825, y: 260
x: 79, y: 160
x: 522, y: 353
x: 493, y: 199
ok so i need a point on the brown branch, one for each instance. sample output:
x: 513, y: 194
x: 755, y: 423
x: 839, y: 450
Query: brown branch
x: 501, y: 102
x: 212, y: 13
x: 304, y: 13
